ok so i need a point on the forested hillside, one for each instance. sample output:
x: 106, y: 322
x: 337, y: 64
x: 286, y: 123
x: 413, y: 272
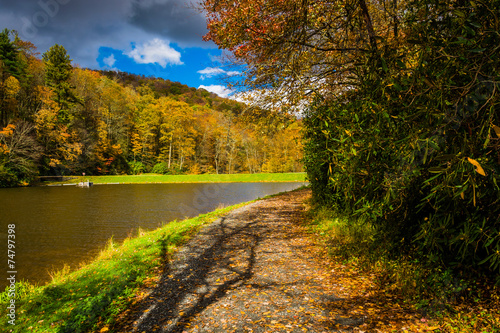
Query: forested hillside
x: 57, y: 119
x: 403, y: 124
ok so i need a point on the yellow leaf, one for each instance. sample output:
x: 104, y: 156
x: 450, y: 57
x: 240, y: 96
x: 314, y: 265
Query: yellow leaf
x: 104, y: 329
x: 462, y: 195
x: 479, y: 168
x: 497, y: 130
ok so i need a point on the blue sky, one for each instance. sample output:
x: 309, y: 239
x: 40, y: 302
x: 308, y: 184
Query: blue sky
x: 193, y: 66
x: 161, y: 38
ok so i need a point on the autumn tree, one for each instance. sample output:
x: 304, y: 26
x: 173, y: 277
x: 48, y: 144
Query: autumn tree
x: 296, y: 48
x: 143, y: 131
x: 33, y: 77
x: 61, y: 147
x: 20, y: 154
x: 176, y: 132
x: 113, y: 122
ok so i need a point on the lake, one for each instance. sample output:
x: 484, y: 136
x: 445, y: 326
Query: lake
x: 62, y: 225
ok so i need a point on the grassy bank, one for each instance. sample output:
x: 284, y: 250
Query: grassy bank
x: 446, y: 300
x: 91, y: 297
x: 204, y: 178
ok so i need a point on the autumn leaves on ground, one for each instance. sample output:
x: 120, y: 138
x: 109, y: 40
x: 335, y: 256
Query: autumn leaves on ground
x: 259, y: 270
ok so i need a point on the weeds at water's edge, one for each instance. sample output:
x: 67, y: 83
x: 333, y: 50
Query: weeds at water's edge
x: 91, y: 297
x: 456, y: 302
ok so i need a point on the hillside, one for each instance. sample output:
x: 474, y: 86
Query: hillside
x: 176, y: 90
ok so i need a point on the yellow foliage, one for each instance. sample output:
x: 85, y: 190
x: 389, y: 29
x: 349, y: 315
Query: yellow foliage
x: 195, y: 169
x: 54, y: 162
x: 12, y: 86
x: 8, y: 131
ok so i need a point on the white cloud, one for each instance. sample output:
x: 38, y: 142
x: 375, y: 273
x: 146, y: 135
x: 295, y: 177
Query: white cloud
x: 155, y: 51
x: 110, y: 61
x: 214, y: 71
x: 222, y: 91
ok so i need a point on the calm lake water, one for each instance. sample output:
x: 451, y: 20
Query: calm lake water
x: 69, y: 225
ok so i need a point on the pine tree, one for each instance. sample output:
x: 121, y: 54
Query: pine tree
x: 9, y: 66
x: 58, y: 72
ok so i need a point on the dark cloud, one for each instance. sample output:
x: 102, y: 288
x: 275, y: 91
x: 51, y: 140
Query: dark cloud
x: 82, y: 26
x: 175, y: 20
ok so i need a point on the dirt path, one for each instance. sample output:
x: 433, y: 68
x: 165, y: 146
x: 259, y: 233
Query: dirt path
x: 248, y: 272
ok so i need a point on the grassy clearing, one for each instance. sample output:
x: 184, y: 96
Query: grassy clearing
x: 204, y: 178
x: 441, y: 300
x: 91, y: 297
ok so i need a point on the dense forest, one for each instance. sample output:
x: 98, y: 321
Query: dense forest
x: 57, y: 119
x: 402, y: 128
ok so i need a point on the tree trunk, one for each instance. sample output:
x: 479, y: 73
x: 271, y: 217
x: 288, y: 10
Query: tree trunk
x: 170, y: 154
x: 369, y: 25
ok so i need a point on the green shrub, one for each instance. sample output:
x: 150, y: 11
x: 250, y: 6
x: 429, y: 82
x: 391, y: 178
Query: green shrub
x: 414, y: 147
x: 136, y: 167
x: 160, y: 168
x: 8, y: 178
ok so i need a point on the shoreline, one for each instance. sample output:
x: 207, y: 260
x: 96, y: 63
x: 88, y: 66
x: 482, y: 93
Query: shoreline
x: 182, y: 179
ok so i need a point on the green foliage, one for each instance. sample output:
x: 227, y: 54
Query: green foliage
x: 8, y: 177
x: 10, y: 67
x: 57, y: 74
x: 136, y: 167
x: 414, y: 146
x: 161, y: 168
x: 8, y: 54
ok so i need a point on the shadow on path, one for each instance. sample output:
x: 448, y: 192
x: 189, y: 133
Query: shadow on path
x: 201, y: 274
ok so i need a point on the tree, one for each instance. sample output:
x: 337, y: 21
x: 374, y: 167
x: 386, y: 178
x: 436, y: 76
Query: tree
x: 298, y: 47
x: 61, y: 145
x: 10, y: 70
x: 114, y: 114
x: 176, y: 132
x: 19, y: 154
x: 33, y: 77
x: 58, y: 71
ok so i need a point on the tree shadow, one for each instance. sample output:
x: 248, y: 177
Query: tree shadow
x: 188, y: 285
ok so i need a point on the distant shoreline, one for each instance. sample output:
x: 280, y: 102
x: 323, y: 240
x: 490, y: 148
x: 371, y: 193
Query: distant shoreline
x: 171, y: 179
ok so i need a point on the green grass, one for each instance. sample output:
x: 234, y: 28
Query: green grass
x: 204, y: 178
x: 91, y: 297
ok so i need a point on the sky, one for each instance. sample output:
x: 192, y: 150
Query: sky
x: 160, y: 38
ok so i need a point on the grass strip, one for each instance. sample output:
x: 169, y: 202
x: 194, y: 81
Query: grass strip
x: 91, y: 297
x: 203, y: 178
